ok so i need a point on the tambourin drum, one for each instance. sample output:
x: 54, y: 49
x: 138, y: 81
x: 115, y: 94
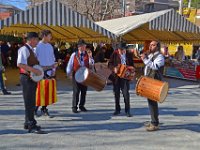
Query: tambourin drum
x: 89, y: 78
x: 152, y: 89
x: 34, y: 77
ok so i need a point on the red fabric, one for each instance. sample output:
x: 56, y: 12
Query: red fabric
x: 22, y: 71
x: 38, y: 100
x: 47, y: 92
x: 53, y: 94
x: 198, y: 72
x: 138, y: 61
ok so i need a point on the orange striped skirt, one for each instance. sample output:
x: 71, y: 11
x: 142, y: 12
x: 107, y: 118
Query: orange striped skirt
x: 46, y: 92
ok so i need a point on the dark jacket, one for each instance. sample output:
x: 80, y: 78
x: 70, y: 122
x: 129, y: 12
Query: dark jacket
x: 115, y: 60
x: 99, y: 57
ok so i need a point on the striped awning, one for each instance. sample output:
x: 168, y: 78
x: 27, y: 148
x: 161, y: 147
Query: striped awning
x: 166, y: 26
x: 64, y: 23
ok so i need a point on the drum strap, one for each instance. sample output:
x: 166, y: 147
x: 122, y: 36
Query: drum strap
x: 155, y: 73
x: 78, y: 58
x: 123, y: 59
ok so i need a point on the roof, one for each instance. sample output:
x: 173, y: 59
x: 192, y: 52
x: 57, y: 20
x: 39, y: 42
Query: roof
x: 166, y: 25
x: 64, y: 23
x: 8, y: 6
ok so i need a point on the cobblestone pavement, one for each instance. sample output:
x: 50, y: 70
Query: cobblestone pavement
x: 97, y: 129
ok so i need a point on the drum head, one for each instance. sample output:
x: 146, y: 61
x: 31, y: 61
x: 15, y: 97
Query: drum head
x: 137, y: 84
x: 164, y: 92
x: 34, y: 77
x: 81, y: 74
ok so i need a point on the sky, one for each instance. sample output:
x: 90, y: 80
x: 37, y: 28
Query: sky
x: 17, y: 3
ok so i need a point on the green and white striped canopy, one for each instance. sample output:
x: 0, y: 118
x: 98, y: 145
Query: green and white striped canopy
x: 53, y: 15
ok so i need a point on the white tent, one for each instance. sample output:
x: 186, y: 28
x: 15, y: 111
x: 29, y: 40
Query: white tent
x: 166, y: 25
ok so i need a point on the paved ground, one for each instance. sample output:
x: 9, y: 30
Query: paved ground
x: 97, y: 129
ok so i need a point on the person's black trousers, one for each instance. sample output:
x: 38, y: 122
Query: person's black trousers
x: 77, y: 90
x: 153, y: 108
x: 124, y: 86
x: 29, y: 95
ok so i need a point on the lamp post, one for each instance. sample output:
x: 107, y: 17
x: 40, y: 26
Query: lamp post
x: 181, y: 7
x: 189, y: 3
x: 124, y: 7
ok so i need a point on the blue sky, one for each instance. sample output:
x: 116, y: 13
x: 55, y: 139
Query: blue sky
x: 17, y: 3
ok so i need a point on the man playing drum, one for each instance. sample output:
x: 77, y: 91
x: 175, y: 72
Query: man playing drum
x: 154, y: 63
x: 120, y: 56
x: 25, y: 61
x: 78, y: 59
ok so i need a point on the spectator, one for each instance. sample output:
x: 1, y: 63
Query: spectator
x: 2, y: 86
x: 197, y: 54
x: 180, y: 55
x: 100, y: 56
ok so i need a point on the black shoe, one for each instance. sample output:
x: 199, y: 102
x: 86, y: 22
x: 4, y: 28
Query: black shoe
x: 83, y: 109
x: 46, y: 113
x: 6, y: 93
x: 38, y: 132
x: 26, y: 127
x: 74, y: 110
x: 36, y: 129
x: 116, y: 113
x: 128, y: 114
x: 36, y: 113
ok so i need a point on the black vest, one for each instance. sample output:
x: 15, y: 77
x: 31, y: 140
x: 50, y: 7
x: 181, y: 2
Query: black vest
x: 156, y: 74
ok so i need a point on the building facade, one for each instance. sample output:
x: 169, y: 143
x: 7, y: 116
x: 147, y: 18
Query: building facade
x: 147, y: 6
x: 7, y: 11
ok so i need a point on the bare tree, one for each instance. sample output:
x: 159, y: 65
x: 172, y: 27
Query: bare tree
x: 95, y: 10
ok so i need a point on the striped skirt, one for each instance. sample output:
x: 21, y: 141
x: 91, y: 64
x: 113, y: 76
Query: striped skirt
x: 46, y: 93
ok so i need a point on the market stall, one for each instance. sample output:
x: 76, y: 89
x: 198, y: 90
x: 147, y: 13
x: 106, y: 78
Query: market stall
x: 167, y: 26
x: 188, y: 69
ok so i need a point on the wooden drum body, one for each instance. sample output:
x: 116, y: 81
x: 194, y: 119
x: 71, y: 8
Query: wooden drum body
x: 152, y: 89
x: 89, y: 78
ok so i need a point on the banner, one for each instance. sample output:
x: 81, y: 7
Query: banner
x: 46, y: 93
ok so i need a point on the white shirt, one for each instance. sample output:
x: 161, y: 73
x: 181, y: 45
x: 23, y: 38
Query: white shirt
x: 45, y: 54
x: 91, y: 61
x: 154, y: 65
x: 123, y: 59
x: 23, y: 54
x: 70, y: 64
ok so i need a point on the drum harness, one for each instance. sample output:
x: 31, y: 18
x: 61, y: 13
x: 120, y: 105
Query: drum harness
x: 156, y: 74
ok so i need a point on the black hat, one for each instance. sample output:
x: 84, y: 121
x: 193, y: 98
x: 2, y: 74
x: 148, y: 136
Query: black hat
x: 122, y: 45
x: 31, y: 35
x: 82, y: 42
